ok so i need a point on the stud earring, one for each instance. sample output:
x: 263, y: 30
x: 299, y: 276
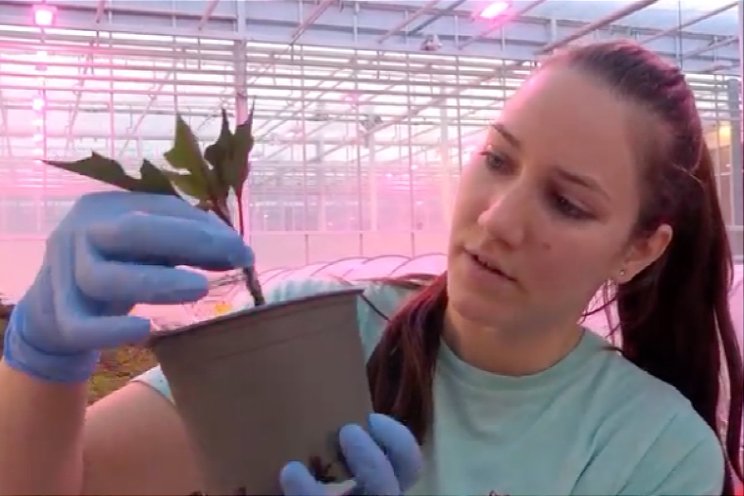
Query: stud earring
x: 622, y: 272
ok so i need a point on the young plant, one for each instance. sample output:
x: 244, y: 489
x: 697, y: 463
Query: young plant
x: 206, y: 179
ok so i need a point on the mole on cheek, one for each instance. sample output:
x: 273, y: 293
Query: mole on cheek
x: 547, y: 246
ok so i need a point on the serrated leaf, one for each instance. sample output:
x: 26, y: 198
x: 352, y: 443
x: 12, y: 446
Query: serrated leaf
x: 154, y: 178
x: 186, y: 155
x: 218, y: 153
x: 238, y: 166
x: 109, y: 171
x: 188, y: 184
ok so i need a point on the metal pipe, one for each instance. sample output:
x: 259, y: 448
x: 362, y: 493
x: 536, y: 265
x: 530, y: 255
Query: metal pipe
x: 689, y: 22
x: 599, y: 23
x: 501, y: 24
x: 405, y: 22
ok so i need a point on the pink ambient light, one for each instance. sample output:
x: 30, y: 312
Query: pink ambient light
x: 43, y: 15
x: 495, y: 9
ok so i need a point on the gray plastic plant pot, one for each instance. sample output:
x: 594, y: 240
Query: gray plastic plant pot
x: 261, y: 387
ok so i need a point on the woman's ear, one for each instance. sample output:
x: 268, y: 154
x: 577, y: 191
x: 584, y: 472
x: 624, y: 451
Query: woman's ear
x: 642, y: 252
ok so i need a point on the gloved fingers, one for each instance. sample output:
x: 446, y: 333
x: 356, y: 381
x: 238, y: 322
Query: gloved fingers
x: 111, y: 281
x: 120, y: 202
x: 371, y: 468
x: 401, y: 447
x: 78, y: 325
x: 137, y: 236
x: 296, y: 480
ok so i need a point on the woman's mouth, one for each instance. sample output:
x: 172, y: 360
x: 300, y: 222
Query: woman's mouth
x: 490, y: 266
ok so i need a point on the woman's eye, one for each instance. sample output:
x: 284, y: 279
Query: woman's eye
x: 494, y: 161
x: 567, y: 208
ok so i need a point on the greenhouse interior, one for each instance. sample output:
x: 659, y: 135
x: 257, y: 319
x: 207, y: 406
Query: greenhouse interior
x: 364, y: 116
x: 364, y: 112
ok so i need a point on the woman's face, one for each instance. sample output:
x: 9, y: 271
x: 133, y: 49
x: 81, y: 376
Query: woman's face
x: 549, y: 204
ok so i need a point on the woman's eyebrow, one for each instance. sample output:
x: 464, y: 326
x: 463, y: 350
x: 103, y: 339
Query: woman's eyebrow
x: 581, y: 180
x: 508, y: 136
x: 578, y: 179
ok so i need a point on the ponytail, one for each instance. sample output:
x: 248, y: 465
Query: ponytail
x: 401, y: 369
x: 675, y: 319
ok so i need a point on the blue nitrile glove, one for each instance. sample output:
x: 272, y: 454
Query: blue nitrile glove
x: 387, y: 461
x: 112, y: 251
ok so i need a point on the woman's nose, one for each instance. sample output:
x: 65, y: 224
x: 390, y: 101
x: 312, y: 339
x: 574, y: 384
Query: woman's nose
x: 506, y: 218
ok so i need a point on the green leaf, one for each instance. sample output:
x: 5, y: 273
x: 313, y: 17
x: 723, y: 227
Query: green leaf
x: 155, y: 180
x: 238, y: 165
x: 186, y: 155
x: 218, y: 154
x: 188, y: 184
x: 109, y: 171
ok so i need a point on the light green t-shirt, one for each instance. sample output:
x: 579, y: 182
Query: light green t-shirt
x: 593, y: 424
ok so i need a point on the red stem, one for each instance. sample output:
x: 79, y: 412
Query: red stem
x: 240, y: 214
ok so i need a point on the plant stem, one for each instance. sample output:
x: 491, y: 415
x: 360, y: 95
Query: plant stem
x: 240, y: 214
x: 251, y: 279
x: 253, y: 285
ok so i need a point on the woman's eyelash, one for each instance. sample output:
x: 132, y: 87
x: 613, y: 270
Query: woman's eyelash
x: 496, y: 162
x: 493, y: 160
x: 567, y: 208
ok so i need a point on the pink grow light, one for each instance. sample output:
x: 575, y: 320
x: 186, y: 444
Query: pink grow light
x: 43, y: 15
x: 495, y: 9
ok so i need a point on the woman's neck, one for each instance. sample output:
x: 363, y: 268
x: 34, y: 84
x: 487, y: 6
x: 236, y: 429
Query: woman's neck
x: 509, y: 352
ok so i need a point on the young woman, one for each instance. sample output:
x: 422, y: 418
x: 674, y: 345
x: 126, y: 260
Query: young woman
x: 595, y: 175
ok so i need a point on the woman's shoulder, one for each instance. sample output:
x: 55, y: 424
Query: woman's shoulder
x: 675, y: 448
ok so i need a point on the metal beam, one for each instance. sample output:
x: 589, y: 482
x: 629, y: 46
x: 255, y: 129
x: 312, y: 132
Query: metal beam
x: 600, y: 23
x: 167, y: 136
x: 346, y: 29
x: 133, y: 130
x: 208, y: 11
x: 310, y: 19
x: 414, y: 110
x: 689, y: 22
x: 144, y: 50
x: 720, y: 66
x: 735, y: 183
x: 500, y: 24
x: 713, y: 46
x: 405, y: 22
x: 100, y: 8
x: 436, y: 16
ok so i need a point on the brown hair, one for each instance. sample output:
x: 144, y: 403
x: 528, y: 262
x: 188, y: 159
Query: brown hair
x: 674, y: 316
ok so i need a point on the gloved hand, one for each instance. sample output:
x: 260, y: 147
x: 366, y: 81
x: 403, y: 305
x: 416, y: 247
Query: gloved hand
x: 387, y: 461
x: 112, y: 251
